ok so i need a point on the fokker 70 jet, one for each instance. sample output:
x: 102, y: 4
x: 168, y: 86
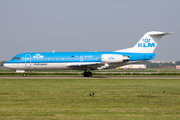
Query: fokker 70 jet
x: 87, y: 61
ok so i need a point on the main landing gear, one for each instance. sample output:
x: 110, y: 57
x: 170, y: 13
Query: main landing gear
x: 87, y: 74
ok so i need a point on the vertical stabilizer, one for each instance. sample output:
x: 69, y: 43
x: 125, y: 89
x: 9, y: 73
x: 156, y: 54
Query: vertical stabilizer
x: 147, y: 43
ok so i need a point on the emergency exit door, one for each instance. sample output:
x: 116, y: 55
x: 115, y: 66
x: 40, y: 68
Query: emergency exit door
x: 27, y: 61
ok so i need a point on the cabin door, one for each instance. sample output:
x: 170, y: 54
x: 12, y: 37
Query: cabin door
x: 27, y: 61
x: 81, y: 58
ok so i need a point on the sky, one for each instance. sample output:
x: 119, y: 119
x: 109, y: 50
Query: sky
x: 87, y: 25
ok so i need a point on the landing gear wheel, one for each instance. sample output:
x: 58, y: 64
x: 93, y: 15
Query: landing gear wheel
x: 87, y: 74
x: 24, y: 74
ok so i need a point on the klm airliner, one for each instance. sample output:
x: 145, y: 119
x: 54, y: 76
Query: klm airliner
x: 87, y: 61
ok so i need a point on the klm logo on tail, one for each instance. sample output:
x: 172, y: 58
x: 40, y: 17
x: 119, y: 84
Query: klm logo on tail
x: 146, y: 43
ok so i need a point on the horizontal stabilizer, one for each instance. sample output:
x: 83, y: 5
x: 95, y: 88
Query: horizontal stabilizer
x: 161, y: 33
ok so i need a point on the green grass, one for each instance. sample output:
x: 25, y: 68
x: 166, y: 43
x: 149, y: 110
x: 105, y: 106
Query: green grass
x: 95, y: 74
x: 69, y: 99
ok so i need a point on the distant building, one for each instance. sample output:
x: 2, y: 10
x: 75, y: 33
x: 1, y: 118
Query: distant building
x: 163, y: 62
x: 174, y: 67
x: 168, y: 66
x: 177, y: 66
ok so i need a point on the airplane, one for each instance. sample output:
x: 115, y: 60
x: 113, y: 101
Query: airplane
x: 87, y: 61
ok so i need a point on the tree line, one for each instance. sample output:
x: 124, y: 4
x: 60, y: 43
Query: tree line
x: 149, y: 64
x: 2, y: 62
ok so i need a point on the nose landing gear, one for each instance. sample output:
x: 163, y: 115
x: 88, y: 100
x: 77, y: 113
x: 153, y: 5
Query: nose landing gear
x: 24, y: 74
x: 87, y: 74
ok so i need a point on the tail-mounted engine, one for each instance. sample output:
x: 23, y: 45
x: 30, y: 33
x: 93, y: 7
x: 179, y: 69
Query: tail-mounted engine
x: 113, y: 58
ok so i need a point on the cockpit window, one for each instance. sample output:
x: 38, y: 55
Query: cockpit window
x: 16, y: 58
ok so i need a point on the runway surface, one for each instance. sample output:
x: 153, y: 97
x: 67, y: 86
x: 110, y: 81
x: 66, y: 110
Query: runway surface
x: 89, y: 77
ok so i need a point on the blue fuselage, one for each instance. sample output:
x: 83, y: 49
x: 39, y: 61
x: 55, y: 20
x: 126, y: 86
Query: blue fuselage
x: 64, y: 57
x: 74, y: 60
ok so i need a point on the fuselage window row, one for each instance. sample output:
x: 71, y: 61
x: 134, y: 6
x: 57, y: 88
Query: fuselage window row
x: 59, y: 58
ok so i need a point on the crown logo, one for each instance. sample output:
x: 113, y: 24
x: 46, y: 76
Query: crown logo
x: 111, y: 58
x: 146, y: 40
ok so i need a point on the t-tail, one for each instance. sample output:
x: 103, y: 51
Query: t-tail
x: 147, y: 43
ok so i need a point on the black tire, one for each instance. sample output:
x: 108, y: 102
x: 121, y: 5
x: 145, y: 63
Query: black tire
x: 24, y: 74
x: 89, y: 74
x: 84, y: 74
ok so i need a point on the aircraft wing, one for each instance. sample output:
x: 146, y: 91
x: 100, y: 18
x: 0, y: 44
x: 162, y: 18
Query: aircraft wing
x: 94, y: 65
x: 83, y: 64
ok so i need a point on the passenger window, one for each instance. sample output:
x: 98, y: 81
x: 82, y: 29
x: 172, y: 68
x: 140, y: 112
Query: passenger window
x: 62, y: 58
x: 48, y: 58
x: 96, y: 58
x: 71, y: 58
x: 51, y: 58
x: 68, y: 58
x: 45, y: 58
x: 77, y: 58
x: 65, y: 58
x: 56, y: 58
x: 37, y: 58
x: 59, y: 58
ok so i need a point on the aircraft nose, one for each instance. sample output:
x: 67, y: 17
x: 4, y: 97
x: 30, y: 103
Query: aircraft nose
x: 5, y: 65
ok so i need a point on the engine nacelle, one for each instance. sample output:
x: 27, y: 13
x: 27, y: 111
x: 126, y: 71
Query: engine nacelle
x: 112, y: 58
